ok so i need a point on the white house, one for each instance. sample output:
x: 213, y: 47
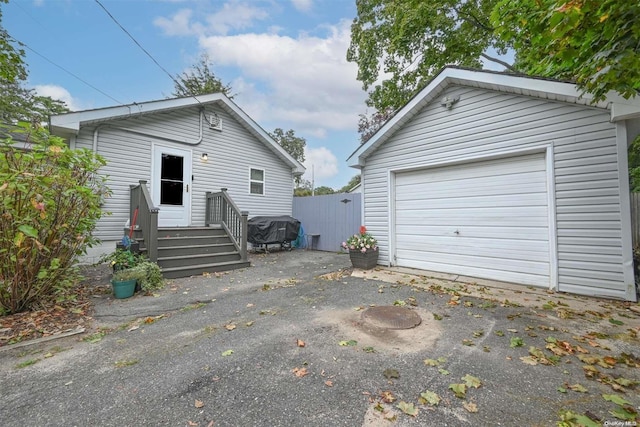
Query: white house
x: 505, y: 177
x: 183, y: 148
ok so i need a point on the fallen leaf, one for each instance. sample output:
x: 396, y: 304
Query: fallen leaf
x: 227, y: 353
x: 348, y: 343
x: 250, y: 305
x: 249, y: 324
x: 328, y: 383
x: 516, y: 342
x: 577, y: 387
x: 387, y: 397
x: 471, y: 381
x: 408, y: 408
x: 430, y: 397
x: 191, y: 423
x: 199, y: 403
x: 230, y: 327
x: 529, y: 360
x: 300, y: 372
x: 615, y: 399
x: 391, y: 373
x: 470, y: 406
x: 300, y: 343
x: 133, y: 328
x: 460, y: 390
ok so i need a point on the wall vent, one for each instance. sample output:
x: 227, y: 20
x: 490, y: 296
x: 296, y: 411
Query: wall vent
x: 215, y: 122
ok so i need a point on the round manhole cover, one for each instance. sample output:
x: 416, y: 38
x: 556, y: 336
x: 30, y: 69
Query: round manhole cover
x: 391, y: 317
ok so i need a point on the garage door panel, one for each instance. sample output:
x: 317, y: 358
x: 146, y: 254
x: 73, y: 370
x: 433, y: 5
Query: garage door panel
x: 452, y: 251
x: 520, y: 277
x: 477, y: 201
x: 488, y: 219
x: 520, y: 233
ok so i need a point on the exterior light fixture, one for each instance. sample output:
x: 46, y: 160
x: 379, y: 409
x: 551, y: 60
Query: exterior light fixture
x: 204, y: 157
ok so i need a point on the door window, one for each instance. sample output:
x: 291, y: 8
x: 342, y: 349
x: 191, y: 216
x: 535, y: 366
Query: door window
x: 171, y: 180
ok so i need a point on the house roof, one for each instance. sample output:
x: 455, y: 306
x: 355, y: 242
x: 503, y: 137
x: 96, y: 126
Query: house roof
x: 553, y: 90
x: 70, y: 123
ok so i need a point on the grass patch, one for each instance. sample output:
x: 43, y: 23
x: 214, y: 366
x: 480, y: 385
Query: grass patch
x: 27, y: 363
x: 125, y: 363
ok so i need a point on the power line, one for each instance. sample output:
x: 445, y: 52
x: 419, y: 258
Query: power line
x: 147, y: 53
x: 138, y: 44
x: 69, y: 72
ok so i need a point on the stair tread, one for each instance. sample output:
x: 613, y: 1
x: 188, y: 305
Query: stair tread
x: 213, y: 227
x: 197, y: 256
x: 196, y: 266
x: 193, y: 237
x: 209, y: 245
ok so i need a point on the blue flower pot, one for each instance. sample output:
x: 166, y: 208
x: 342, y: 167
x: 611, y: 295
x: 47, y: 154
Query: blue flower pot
x: 123, y: 289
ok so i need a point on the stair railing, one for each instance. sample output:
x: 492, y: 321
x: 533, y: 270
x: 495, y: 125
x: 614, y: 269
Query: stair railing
x: 147, y: 219
x: 220, y: 209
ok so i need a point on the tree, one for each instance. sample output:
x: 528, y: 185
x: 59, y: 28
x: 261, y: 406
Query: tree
x: 292, y: 144
x: 413, y: 39
x: 323, y: 190
x: 592, y: 42
x: 200, y: 80
x: 17, y: 102
x: 369, y: 125
x: 355, y: 180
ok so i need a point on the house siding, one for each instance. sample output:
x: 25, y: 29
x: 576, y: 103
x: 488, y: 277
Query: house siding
x: 231, y: 153
x: 485, y: 123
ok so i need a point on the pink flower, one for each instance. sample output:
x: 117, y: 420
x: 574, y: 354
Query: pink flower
x: 363, y: 250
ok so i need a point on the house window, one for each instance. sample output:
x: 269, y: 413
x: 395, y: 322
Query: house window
x: 257, y: 181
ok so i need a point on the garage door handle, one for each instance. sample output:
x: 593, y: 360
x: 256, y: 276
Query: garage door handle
x: 457, y: 233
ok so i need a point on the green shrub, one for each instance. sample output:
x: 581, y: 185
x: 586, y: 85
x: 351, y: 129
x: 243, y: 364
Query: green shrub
x: 50, y: 201
x: 151, y: 276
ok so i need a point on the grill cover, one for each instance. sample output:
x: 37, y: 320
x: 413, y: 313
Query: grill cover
x: 272, y: 229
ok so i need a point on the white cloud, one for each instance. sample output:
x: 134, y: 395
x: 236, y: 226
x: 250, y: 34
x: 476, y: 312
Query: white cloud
x: 178, y: 25
x: 320, y: 162
x: 233, y: 16
x: 58, y: 92
x: 302, y: 5
x: 306, y: 81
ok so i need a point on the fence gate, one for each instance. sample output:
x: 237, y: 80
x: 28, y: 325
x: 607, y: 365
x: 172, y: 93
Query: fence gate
x: 332, y: 218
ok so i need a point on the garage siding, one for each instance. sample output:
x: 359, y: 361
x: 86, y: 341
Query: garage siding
x: 231, y: 154
x: 485, y: 123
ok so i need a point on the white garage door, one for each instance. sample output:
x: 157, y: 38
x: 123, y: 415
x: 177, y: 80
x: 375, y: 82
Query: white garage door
x: 485, y: 219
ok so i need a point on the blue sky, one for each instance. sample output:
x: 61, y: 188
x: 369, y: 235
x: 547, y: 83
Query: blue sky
x: 284, y: 59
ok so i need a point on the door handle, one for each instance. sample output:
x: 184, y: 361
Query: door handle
x: 187, y: 188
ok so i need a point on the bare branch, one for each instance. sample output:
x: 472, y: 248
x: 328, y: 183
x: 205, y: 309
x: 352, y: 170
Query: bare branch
x: 499, y: 61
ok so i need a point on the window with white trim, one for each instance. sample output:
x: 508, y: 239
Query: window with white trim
x: 256, y: 181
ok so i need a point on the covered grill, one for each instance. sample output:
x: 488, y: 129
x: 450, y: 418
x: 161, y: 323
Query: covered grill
x: 267, y: 230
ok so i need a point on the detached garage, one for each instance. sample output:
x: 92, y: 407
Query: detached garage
x: 508, y: 178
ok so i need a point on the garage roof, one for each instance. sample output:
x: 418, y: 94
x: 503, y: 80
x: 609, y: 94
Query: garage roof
x: 553, y: 90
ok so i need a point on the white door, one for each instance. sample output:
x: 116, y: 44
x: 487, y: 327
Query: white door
x: 172, y: 186
x: 485, y: 219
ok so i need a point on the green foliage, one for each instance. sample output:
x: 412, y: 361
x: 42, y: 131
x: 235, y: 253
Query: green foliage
x: 121, y: 259
x: 50, y: 201
x: 16, y: 101
x: 634, y: 165
x: 413, y: 39
x: 292, y: 144
x: 150, y: 276
x: 355, y: 180
x: 592, y: 42
x: 200, y: 80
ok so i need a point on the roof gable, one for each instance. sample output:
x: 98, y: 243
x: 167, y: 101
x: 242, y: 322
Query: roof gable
x: 70, y: 123
x: 553, y: 90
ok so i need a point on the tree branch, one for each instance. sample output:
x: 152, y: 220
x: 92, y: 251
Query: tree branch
x: 499, y: 61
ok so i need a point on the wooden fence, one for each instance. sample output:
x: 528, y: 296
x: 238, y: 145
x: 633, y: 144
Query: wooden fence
x: 635, y: 218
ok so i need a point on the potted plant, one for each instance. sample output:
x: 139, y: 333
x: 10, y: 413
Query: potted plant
x: 124, y: 282
x: 121, y: 259
x: 363, y: 249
